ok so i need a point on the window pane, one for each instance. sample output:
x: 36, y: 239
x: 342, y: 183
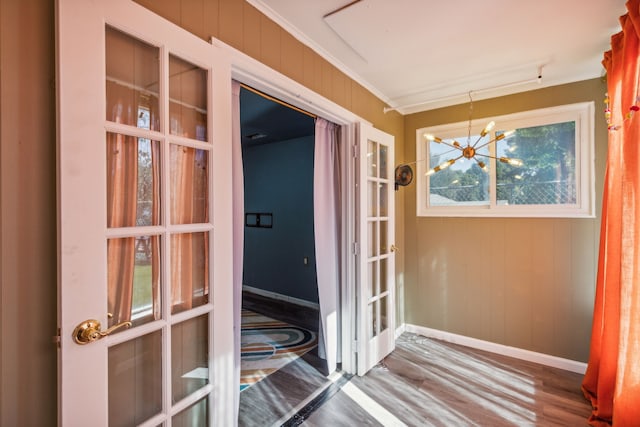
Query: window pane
x: 372, y: 284
x: 133, y: 181
x: 189, y: 356
x: 372, y: 197
x: 133, y: 278
x: 189, y: 190
x: 541, y: 167
x: 383, y: 162
x: 194, y: 415
x: 384, y: 195
x: 384, y: 245
x: 464, y: 183
x: 187, y: 99
x: 372, y: 238
x: 372, y: 159
x: 132, y: 70
x: 383, y: 275
x: 384, y: 322
x: 548, y: 173
x: 189, y: 271
x: 135, y: 380
x: 373, y: 315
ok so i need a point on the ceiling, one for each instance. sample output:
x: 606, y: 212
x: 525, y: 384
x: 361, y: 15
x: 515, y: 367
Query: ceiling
x: 263, y: 121
x: 418, y: 55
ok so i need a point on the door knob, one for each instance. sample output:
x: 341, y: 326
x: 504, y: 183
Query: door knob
x: 394, y: 248
x: 89, y: 331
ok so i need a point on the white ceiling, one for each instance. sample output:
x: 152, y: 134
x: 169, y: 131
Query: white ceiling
x: 418, y: 55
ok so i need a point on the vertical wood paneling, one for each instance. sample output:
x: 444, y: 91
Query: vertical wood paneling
x: 168, y: 9
x: 312, y: 70
x: 518, y: 325
x: 28, y: 303
x: 252, y: 31
x: 457, y: 269
x: 341, y: 91
x: 494, y: 260
x: 230, y: 22
x: 292, y: 57
x: 585, y: 235
x: 270, y: 43
x: 563, y: 287
x: 327, y: 79
x: 211, y: 13
x: 543, y: 258
x: 192, y: 17
x: 478, y: 284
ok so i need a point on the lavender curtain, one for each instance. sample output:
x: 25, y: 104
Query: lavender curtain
x: 238, y: 235
x: 326, y: 197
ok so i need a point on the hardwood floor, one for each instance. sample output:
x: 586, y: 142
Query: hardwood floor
x: 274, y: 399
x: 426, y: 382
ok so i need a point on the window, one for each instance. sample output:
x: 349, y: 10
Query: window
x: 555, y: 178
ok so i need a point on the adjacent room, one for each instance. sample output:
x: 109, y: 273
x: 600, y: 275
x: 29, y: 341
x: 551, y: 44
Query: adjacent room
x: 280, y: 284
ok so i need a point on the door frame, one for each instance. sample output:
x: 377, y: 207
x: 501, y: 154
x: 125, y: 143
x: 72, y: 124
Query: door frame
x: 250, y: 71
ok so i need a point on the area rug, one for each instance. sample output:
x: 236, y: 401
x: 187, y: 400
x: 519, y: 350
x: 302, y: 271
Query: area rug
x: 267, y: 345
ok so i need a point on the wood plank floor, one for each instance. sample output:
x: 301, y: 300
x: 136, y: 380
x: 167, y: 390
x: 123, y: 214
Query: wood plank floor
x: 268, y: 401
x: 426, y: 382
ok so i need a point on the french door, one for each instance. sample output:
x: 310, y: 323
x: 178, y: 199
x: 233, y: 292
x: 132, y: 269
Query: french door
x: 376, y: 260
x: 144, y: 208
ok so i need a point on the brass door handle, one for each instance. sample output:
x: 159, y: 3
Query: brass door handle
x: 394, y: 248
x: 89, y: 331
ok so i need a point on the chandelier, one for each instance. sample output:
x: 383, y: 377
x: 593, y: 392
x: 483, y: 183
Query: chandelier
x: 471, y: 150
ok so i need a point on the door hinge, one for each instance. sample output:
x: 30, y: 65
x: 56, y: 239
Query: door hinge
x: 355, y: 151
x: 354, y: 347
x: 356, y: 248
x: 56, y: 339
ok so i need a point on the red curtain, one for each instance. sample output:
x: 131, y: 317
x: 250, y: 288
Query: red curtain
x: 612, y: 380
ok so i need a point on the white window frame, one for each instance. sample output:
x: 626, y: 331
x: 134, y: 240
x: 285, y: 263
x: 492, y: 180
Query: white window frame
x: 581, y: 113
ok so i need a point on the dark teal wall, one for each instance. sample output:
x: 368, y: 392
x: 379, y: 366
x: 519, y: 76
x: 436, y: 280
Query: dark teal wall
x: 279, y: 180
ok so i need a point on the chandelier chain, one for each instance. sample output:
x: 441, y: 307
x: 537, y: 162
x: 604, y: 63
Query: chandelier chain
x: 470, y: 116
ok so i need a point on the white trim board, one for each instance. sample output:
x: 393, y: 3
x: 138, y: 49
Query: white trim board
x: 518, y: 353
x: 280, y: 297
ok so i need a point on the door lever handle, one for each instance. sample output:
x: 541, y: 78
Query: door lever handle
x: 394, y: 248
x: 89, y: 331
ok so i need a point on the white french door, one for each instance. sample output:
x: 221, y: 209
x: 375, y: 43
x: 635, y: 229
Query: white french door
x: 376, y: 259
x: 144, y: 208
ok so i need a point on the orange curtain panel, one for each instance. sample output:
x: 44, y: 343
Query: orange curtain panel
x: 612, y: 380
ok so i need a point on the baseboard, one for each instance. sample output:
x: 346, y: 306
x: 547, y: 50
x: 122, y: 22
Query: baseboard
x: 280, y: 297
x: 518, y: 353
x: 400, y: 330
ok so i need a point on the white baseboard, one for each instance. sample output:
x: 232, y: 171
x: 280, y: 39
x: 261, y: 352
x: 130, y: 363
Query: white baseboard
x: 519, y: 353
x: 400, y: 330
x: 274, y: 295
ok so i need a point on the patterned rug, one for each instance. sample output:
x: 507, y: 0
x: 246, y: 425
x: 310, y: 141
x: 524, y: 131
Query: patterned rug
x: 267, y: 345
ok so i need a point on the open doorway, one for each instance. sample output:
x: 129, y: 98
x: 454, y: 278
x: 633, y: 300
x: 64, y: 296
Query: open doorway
x: 280, y: 364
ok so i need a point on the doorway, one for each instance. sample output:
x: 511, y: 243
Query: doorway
x: 280, y: 291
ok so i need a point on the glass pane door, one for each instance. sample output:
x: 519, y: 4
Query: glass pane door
x: 377, y: 284
x: 158, y: 235
x: 145, y: 286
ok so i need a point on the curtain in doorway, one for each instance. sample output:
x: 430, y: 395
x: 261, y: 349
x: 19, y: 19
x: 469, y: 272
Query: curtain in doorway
x: 238, y: 236
x: 612, y: 380
x: 326, y: 197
